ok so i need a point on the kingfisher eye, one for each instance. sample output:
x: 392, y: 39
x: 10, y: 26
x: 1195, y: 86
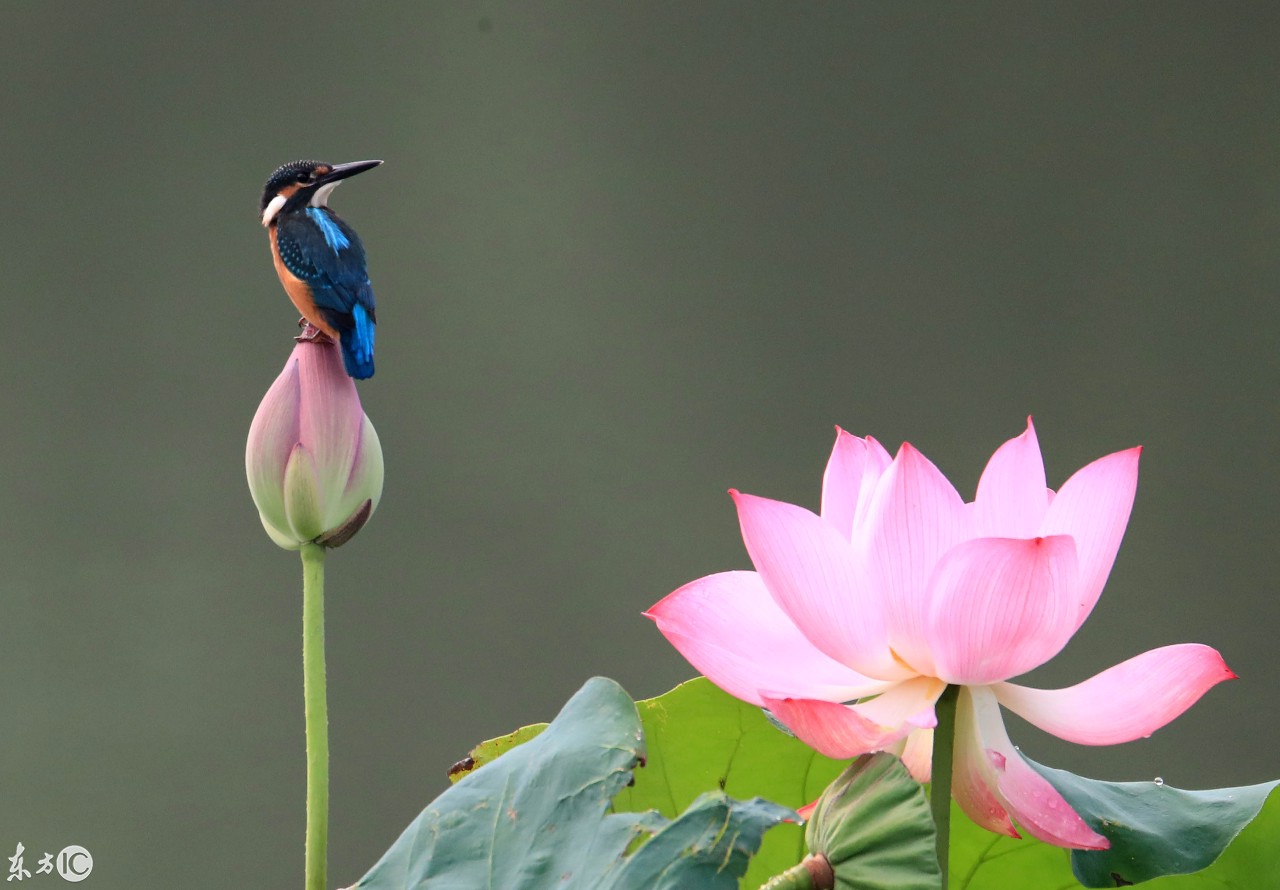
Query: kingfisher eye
x: 305, y: 177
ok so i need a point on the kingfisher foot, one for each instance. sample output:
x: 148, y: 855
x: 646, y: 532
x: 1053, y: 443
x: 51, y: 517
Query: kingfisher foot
x: 311, y: 333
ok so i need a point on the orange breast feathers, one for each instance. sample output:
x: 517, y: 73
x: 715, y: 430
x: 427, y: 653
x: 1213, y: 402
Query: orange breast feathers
x: 299, y: 292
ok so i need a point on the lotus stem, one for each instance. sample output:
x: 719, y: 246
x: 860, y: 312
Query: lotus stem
x: 317, y: 716
x: 944, y: 739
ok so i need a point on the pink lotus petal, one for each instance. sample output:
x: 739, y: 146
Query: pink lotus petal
x: 877, y: 464
x: 330, y: 417
x: 973, y: 777
x: 1012, y: 496
x: 916, y: 753
x: 1001, y: 606
x: 810, y: 571
x: 914, y: 517
x: 829, y: 728
x: 1123, y: 703
x: 1093, y: 507
x: 842, y: 731
x: 842, y: 481
x: 273, y: 436
x: 730, y: 629
x: 1025, y: 794
x: 1040, y: 809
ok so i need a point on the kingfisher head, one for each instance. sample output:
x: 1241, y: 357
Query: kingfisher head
x: 305, y: 183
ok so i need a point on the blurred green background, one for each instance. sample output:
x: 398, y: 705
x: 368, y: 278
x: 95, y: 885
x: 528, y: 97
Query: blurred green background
x: 627, y: 256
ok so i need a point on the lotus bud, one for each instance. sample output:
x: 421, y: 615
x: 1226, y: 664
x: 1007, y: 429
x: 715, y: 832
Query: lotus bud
x: 313, y: 458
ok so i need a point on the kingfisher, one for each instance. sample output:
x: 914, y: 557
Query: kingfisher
x: 319, y: 258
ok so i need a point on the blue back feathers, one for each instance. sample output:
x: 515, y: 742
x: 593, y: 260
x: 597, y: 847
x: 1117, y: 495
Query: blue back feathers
x: 326, y: 253
x: 333, y: 234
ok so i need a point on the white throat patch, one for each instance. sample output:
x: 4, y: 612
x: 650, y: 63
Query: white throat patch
x: 321, y: 197
x: 272, y: 209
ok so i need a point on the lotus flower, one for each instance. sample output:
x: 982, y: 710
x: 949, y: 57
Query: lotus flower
x: 855, y: 620
x: 313, y: 458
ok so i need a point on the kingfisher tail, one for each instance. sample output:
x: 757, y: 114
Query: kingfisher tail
x: 357, y: 344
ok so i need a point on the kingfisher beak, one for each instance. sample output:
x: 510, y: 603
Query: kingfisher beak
x: 342, y: 171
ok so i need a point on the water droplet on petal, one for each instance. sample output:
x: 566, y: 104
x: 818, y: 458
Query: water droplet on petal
x: 1159, y: 781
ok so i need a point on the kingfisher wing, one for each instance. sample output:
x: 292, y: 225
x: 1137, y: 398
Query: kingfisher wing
x: 328, y: 255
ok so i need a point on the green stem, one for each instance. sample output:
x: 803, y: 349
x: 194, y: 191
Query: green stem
x: 795, y: 878
x: 944, y: 740
x: 317, y: 710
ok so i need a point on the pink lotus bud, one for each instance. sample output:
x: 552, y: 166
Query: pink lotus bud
x: 313, y: 458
